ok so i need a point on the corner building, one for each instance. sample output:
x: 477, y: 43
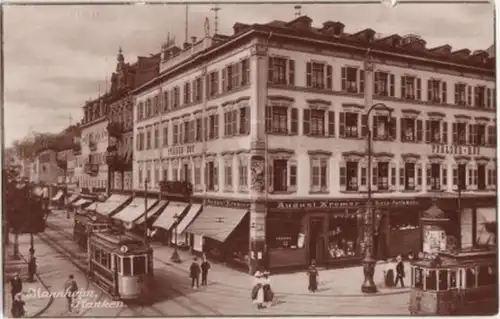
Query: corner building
x: 273, y: 120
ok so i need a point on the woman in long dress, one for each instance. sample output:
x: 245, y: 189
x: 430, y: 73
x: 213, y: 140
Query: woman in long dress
x: 258, y: 291
x: 313, y: 275
x: 266, y: 287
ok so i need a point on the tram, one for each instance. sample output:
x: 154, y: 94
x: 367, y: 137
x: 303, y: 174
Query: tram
x: 121, y: 264
x: 86, y: 223
x: 461, y: 283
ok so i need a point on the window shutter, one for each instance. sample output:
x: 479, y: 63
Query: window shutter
x: 293, y: 172
x: 454, y: 168
x: 444, y: 177
x: 374, y: 176
x: 270, y: 176
x: 306, y: 122
x: 488, y: 97
x: 364, y: 125
x: 342, y: 176
x: 419, y: 89
x: 454, y: 134
x: 444, y: 138
x: 428, y: 176
x: 295, y: 121
x: 208, y: 85
x: 403, y: 87
x: 216, y: 126
x: 473, y: 128
x: 329, y: 82
x: 375, y: 83
x: 444, y: 93
x: 374, y: 127
x: 402, y: 176
x: 402, y: 129
x: 247, y: 119
x: 471, y: 133
x: 392, y: 129
x: 341, y: 124
x: 363, y: 182
x: 344, y: 79
x: 331, y: 123
x: 269, y: 118
x: 270, y: 70
x: 429, y: 90
x: 291, y: 72
x: 138, y: 142
x: 427, y: 131
x: 361, y: 81
x: 391, y: 85
x: 308, y: 74
x: 225, y: 80
x: 205, y: 128
x: 457, y: 95
x: 216, y: 175
x: 393, y: 176
x: 419, y: 131
x: 469, y: 95
x: 418, y: 181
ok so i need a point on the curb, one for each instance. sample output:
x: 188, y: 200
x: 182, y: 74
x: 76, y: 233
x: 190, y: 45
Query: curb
x: 398, y: 292
x: 51, y: 299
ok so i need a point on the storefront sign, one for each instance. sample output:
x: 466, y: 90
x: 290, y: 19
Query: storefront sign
x: 336, y: 204
x: 227, y: 203
x: 181, y: 150
x: 455, y: 149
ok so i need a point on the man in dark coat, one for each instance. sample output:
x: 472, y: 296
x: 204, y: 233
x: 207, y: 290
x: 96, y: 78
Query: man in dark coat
x: 70, y: 289
x: 400, y: 272
x: 205, y: 266
x: 194, y: 274
x: 16, y: 286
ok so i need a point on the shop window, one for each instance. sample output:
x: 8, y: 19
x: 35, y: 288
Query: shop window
x: 404, y: 221
x: 382, y: 181
x: 342, y: 236
x: 127, y: 266
x: 285, y: 233
x: 139, y: 265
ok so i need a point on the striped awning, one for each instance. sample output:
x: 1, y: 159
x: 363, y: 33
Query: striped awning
x: 135, y: 209
x: 217, y: 222
x: 111, y: 205
x: 81, y: 202
x: 190, y: 215
x: 160, y: 206
x: 168, y: 217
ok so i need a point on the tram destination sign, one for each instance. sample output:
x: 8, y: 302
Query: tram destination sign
x: 445, y: 149
x: 339, y: 204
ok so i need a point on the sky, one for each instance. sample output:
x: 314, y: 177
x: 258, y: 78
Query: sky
x: 57, y: 57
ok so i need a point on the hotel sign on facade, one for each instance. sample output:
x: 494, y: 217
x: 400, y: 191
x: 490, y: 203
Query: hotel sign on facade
x: 465, y: 150
x: 183, y: 150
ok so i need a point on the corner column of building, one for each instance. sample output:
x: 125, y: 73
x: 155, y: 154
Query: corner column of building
x: 258, y: 161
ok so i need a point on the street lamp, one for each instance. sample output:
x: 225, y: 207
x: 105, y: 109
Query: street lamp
x: 175, y: 255
x: 368, y: 261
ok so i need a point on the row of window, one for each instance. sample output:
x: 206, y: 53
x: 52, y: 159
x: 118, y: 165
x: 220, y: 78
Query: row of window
x: 317, y: 122
x: 352, y: 176
x: 91, y: 183
x: 234, y: 76
x: 319, y: 76
x: 236, y: 122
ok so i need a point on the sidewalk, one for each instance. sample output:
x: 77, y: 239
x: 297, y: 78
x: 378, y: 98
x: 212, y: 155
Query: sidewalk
x: 34, y: 306
x: 343, y: 282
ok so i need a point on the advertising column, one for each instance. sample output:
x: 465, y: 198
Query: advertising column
x: 258, y: 162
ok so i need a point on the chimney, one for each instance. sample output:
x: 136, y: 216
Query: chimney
x: 333, y: 28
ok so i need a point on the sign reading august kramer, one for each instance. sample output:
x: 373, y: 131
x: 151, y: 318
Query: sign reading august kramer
x: 332, y: 204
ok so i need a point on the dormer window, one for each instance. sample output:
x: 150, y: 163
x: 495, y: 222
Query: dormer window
x: 281, y: 71
x: 319, y: 75
x: 384, y: 84
x: 353, y: 80
x: 411, y: 88
x: 436, y: 91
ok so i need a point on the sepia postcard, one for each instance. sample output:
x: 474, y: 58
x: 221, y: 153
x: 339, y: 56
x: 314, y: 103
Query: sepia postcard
x: 249, y: 159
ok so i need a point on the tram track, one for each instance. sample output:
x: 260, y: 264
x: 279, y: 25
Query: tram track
x: 168, y: 290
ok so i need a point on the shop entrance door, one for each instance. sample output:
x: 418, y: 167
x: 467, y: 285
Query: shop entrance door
x: 316, y: 239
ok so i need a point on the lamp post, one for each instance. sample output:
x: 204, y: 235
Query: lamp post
x: 175, y: 255
x: 368, y: 261
x: 146, y: 181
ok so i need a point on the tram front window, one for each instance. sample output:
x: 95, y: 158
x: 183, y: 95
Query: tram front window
x: 419, y: 283
x: 430, y: 280
x: 443, y: 280
x: 453, y: 279
x: 485, y: 276
x: 139, y: 265
x: 127, y: 266
x: 470, y: 278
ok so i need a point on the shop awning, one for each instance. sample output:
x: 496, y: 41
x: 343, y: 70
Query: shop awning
x: 92, y: 207
x: 111, y: 204
x: 57, y: 196
x: 190, y: 215
x: 167, y: 218
x: 216, y: 222
x: 159, y: 206
x: 72, y: 198
x: 81, y: 202
x: 486, y: 215
x: 135, y: 209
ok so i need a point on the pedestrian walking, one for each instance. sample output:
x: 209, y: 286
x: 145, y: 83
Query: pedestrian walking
x: 258, y: 290
x: 32, y: 265
x: 400, y: 272
x: 70, y: 290
x: 389, y: 273
x: 205, y: 266
x: 18, y: 306
x: 266, y: 287
x: 16, y: 285
x: 313, y: 275
x: 194, y: 273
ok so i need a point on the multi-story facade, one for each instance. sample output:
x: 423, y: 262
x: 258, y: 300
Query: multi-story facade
x: 91, y: 169
x: 274, y: 120
x: 120, y: 116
